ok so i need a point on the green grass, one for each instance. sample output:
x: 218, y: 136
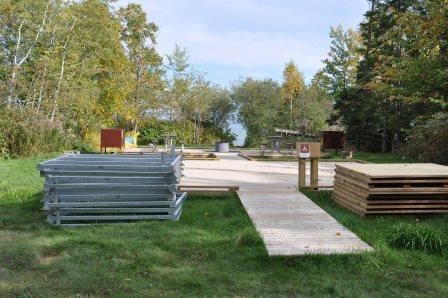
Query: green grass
x: 213, y: 250
x: 420, y: 236
x: 276, y: 158
x: 357, y: 156
x: 374, y: 157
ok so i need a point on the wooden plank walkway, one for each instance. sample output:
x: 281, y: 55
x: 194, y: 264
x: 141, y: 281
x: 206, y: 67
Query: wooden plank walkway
x: 288, y: 222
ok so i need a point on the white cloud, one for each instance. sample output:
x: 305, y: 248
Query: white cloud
x: 241, y: 49
x: 250, y: 36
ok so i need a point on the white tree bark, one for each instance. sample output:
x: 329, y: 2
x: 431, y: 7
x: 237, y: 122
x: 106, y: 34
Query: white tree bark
x: 41, y: 88
x: 44, y: 74
x: 61, y: 73
x: 12, y: 82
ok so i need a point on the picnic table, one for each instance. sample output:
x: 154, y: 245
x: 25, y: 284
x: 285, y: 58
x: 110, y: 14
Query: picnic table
x: 276, y: 142
x: 169, y: 140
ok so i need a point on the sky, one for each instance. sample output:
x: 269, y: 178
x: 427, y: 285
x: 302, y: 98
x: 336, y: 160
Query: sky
x: 233, y: 39
x: 230, y: 40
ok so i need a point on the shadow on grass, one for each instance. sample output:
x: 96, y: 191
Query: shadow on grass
x: 22, y: 209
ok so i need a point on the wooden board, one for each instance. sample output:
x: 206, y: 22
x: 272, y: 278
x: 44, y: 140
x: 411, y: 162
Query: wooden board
x: 288, y: 222
x: 378, y: 189
x: 416, y: 170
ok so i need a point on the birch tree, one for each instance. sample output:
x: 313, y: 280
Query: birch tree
x: 25, y: 42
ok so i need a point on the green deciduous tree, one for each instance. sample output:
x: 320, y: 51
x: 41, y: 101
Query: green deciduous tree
x: 313, y: 107
x: 190, y: 98
x: 258, y: 107
x: 139, y: 37
x: 307, y: 105
x: 65, y: 60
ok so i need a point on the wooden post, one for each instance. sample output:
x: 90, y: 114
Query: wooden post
x: 302, y: 173
x: 314, y: 181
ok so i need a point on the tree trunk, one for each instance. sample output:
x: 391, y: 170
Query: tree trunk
x: 58, y: 88
x: 358, y: 142
x: 41, y: 88
x: 44, y: 74
x: 12, y: 82
x: 31, y: 94
x: 290, y: 113
x: 61, y: 74
x: 12, y: 85
x: 384, y: 143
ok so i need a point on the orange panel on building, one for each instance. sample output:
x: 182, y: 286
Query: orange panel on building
x: 112, y: 138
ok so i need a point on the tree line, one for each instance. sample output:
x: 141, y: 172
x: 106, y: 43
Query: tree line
x: 385, y: 85
x: 264, y: 105
x: 389, y: 81
x: 69, y: 68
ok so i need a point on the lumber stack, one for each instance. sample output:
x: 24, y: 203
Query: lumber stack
x: 392, y: 188
x: 105, y: 188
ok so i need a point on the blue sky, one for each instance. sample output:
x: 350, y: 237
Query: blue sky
x: 232, y: 39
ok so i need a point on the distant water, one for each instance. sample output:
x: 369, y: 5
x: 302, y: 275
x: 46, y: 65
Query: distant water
x: 240, y: 132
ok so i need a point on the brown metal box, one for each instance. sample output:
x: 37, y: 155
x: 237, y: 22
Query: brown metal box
x: 112, y: 138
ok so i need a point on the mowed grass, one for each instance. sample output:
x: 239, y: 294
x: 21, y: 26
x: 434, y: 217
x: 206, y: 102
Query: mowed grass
x: 213, y: 250
x: 337, y: 157
x: 374, y: 157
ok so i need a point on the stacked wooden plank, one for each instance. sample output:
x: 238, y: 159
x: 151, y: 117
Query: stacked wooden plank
x: 97, y: 188
x: 392, y: 188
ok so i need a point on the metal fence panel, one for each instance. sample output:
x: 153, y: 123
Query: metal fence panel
x: 91, y: 188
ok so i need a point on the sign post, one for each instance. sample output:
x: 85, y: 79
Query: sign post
x: 311, y: 151
x: 304, y: 153
x: 314, y: 180
x: 302, y: 172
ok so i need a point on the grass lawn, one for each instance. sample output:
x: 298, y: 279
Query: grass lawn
x: 213, y: 250
x: 374, y: 157
x: 357, y: 156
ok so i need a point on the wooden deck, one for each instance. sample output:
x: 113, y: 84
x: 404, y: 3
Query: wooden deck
x: 288, y: 222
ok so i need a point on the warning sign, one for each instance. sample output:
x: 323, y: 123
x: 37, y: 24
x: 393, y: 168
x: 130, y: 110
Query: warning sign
x: 304, y: 151
x: 308, y: 150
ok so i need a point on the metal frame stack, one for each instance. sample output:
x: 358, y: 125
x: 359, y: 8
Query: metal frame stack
x: 392, y: 188
x: 105, y: 188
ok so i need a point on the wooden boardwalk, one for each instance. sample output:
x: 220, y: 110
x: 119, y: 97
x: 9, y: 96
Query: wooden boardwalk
x: 288, y: 222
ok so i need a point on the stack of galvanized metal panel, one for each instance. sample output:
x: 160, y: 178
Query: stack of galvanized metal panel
x: 104, y: 188
x: 392, y: 188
